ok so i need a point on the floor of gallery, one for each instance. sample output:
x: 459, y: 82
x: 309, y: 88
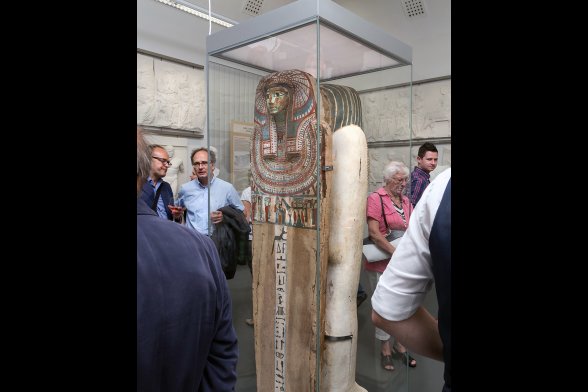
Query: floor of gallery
x: 426, y: 377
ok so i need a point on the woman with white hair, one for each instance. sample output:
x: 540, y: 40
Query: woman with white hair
x: 387, y: 209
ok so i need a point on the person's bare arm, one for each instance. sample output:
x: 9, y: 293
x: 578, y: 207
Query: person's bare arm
x: 377, y: 237
x: 419, y: 332
x: 247, y: 210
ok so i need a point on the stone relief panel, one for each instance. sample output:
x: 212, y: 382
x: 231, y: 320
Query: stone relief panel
x: 385, y: 112
x: 385, y: 119
x: 378, y: 158
x: 170, y: 95
x: 432, y: 110
x: 385, y: 115
x: 145, y: 90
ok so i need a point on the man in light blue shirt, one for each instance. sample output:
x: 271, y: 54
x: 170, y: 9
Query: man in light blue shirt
x: 195, y: 197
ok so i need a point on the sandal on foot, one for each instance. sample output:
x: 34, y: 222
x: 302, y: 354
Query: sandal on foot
x: 411, y: 361
x: 386, y: 360
x: 405, y: 355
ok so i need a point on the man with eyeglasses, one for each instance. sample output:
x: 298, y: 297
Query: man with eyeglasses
x: 194, y: 194
x: 156, y: 192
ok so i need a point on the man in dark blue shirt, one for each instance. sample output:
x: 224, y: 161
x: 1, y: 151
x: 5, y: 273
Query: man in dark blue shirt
x: 185, y: 335
x: 156, y: 192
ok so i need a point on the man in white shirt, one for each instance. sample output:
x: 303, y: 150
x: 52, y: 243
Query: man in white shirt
x: 422, y: 256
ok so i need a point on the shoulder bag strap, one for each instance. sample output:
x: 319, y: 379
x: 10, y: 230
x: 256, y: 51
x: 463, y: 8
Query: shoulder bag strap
x: 154, y: 204
x: 383, y: 214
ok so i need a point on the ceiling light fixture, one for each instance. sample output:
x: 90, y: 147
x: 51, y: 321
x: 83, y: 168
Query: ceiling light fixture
x: 200, y: 12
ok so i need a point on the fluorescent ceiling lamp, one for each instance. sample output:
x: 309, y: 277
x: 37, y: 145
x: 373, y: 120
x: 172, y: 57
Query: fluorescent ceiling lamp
x: 200, y: 12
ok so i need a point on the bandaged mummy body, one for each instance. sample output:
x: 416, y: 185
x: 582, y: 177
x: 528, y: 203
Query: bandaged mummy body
x: 309, y: 184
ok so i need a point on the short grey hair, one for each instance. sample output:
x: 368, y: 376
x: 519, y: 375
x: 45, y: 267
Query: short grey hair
x: 393, y: 168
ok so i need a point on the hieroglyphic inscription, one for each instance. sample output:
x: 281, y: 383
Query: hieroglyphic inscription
x: 297, y: 211
x: 279, y: 250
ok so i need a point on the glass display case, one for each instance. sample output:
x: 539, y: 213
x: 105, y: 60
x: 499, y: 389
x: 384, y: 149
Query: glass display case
x: 304, y: 50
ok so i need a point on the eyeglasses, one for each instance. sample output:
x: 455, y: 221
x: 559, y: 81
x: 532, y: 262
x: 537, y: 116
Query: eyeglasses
x: 400, y: 180
x: 164, y: 161
x: 203, y: 163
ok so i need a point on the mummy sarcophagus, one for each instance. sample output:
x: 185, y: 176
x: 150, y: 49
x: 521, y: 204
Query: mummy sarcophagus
x: 309, y: 184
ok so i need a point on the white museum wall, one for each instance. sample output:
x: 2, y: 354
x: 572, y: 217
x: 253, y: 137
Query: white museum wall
x: 167, y: 31
x: 428, y: 34
x: 164, y: 30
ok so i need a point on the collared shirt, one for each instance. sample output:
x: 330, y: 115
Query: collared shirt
x: 160, y: 207
x: 422, y: 257
x: 395, y: 222
x: 404, y: 284
x: 246, y: 196
x: 194, y: 196
x: 419, y: 180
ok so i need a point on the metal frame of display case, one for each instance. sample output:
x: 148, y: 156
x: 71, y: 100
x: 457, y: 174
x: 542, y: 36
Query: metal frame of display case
x: 348, y: 43
x: 301, y: 13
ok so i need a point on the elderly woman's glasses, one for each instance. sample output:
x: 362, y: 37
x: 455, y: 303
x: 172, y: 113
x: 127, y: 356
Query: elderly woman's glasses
x: 400, y: 180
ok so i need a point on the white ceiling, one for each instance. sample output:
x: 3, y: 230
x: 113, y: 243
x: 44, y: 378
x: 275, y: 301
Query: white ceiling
x: 170, y: 32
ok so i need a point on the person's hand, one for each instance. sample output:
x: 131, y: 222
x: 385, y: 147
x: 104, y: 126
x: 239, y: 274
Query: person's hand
x: 216, y: 217
x: 177, y: 212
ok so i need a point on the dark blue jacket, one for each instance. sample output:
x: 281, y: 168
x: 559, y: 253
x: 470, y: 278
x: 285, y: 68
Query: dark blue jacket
x: 185, y: 336
x: 148, y: 193
x: 231, y: 238
x: 440, y: 246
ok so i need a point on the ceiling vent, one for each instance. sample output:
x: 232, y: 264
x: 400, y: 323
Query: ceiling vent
x: 413, y: 8
x: 252, y: 7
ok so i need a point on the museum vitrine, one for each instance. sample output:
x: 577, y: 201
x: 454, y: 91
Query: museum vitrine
x: 294, y: 112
